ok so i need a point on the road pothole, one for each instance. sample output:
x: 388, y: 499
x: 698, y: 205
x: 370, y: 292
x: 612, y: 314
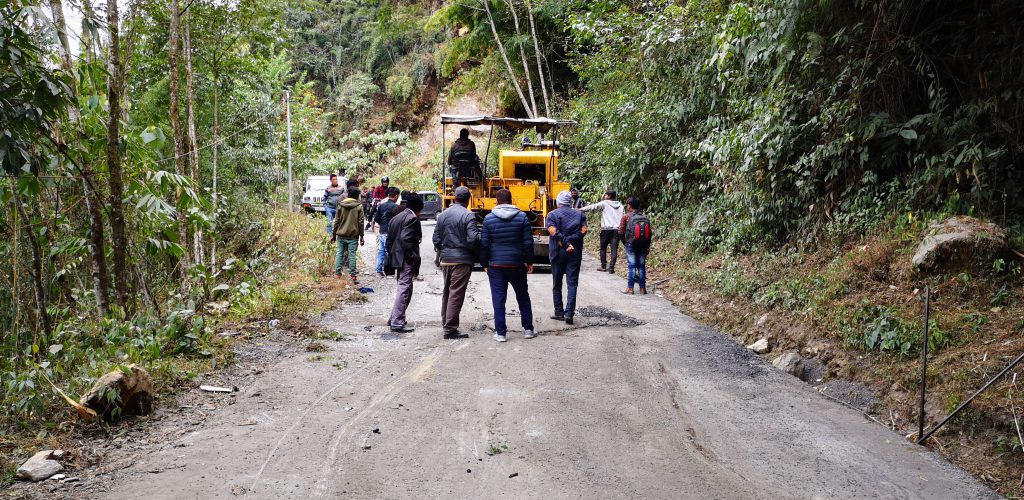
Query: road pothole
x: 607, y: 317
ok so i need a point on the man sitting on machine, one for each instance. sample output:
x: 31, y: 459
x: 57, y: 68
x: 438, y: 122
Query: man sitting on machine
x: 463, y: 163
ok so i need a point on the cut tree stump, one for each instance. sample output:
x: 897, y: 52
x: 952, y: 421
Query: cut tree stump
x: 121, y: 393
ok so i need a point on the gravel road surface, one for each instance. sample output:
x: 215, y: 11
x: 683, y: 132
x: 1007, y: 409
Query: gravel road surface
x: 634, y: 400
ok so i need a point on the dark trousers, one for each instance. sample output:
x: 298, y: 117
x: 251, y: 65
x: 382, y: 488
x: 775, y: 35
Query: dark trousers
x: 403, y: 295
x: 500, y: 278
x: 456, y: 280
x: 609, y: 237
x: 567, y: 266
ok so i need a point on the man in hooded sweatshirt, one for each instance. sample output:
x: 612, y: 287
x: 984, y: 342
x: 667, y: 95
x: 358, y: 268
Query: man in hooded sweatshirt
x: 403, y: 257
x: 566, y: 227
x: 611, y: 214
x: 506, y: 254
x: 348, y: 232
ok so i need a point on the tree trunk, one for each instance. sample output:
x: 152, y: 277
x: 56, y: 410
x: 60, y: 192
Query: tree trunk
x: 179, y: 139
x: 216, y: 139
x: 193, y: 140
x: 504, y: 57
x: 536, y: 52
x: 97, y: 252
x: 522, y: 57
x: 37, y: 262
x: 119, y: 233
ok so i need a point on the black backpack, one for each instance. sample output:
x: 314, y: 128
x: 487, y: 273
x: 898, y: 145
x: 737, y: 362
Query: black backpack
x: 638, y: 231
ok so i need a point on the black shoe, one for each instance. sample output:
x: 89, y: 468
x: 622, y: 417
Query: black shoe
x: 611, y: 271
x: 456, y: 335
x: 557, y: 318
x: 402, y: 329
x: 568, y: 320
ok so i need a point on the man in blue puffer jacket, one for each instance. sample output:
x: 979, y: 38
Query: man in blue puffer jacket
x: 506, y: 254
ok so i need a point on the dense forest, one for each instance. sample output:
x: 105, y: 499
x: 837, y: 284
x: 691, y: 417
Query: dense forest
x: 144, y: 140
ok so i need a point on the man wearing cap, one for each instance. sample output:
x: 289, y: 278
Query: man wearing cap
x: 566, y: 226
x: 456, y: 239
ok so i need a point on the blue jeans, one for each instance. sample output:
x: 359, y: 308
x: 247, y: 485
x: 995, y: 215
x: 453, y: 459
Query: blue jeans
x: 330, y: 216
x: 382, y: 240
x: 349, y: 247
x: 500, y: 278
x: 637, y: 260
x: 569, y: 267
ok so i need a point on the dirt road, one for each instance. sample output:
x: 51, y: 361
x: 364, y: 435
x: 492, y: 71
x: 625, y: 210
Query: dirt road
x: 606, y: 408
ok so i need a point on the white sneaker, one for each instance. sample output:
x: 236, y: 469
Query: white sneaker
x: 529, y: 334
x: 500, y: 338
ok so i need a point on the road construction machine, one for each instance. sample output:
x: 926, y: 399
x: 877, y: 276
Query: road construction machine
x: 530, y: 172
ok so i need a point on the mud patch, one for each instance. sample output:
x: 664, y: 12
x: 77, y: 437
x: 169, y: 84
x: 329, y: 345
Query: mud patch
x: 607, y: 317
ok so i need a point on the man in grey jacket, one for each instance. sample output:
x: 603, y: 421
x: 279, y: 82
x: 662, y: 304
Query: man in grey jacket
x: 456, y: 239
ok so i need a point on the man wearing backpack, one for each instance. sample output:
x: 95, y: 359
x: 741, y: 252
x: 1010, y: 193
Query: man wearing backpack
x: 566, y: 228
x: 611, y: 215
x: 636, y: 231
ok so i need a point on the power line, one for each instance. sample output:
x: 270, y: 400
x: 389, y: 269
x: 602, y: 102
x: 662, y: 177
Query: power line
x: 219, y: 141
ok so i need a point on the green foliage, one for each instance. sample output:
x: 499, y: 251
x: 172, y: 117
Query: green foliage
x: 797, y: 116
x: 877, y: 327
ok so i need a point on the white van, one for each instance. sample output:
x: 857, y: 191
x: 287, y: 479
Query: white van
x: 313, y: 196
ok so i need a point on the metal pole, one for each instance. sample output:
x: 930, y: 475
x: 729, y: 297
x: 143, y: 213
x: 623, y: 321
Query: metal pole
x: 487, y: 155
x: 965, y: 403
x: 288, y: 118
x: 924, y: 362
x: 444, y: 165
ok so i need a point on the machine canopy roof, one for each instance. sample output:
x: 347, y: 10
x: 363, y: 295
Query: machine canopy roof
x: 543, y: 125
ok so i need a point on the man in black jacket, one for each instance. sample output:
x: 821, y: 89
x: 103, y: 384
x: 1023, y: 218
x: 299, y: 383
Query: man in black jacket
x: 382, y: 216
x: 506, y: 254
x: 456, y: 238
x: 403, y: 257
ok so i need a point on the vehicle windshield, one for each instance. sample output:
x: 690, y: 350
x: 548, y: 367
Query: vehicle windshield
x: 314, y: 184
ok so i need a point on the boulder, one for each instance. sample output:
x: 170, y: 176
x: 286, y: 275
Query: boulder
x: 121, y: 393
x: 41, y: 466
x: 960, y: 242
x: 791, y: 363
x: 760, y: 347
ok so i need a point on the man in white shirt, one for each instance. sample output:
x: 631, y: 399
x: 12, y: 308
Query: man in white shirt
x: 611, y: 215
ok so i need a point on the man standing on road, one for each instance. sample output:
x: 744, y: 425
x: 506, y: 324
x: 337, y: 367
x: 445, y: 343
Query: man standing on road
x: 566, y: 227
x: 332, y: 194
x: 382, y: 217
x: 611, y: 215
x: 635, y: 229
x: 348, y: 232
x: 380, y: 193
x: 456, y: 239
x: 506, y: 254
x: 403, y: 257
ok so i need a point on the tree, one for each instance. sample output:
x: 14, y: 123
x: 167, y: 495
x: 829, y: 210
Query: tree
x: 178, y: 136
x: 97, y: 240
x: 504, y: 57
x: 119, y: 233
x: 193, y: 141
